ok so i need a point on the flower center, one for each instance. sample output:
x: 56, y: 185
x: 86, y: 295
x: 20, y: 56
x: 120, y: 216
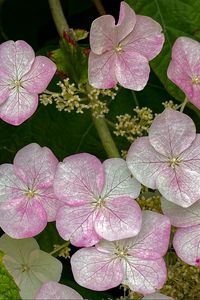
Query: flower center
x: 119, y: 48
x: 121, y: 252
x: 15, y: 84
x: 30, y: 193
x: 174, y: 162
x: 24, y: 268
x: 196, y: 79
x: 99, y: 202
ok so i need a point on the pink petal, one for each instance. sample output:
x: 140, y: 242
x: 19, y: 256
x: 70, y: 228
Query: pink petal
x: 22, y: 218
x: 102, y: 34
x: 172, y: 132
x: 186, y: 244
x: 41, y: 73
x: 146, y: 38
x: 190, y: 158
x: 4, y: 86
x: 144, y: 162
x: 179, y: 216
x: 77, y: 225
x: 126, y: 23
x: 19, y: 106
x: 16, y: 58
x: 101, y: 70
x: 95, y: 270
x: 132, y: 70
x: 153, y: 239
x: 118, y: 180
x: 119, y: 219
x: 79, y: 179
x: 54, y: 290
x: 144, y: 276
x: 36, y: 165
x: 157, y: 296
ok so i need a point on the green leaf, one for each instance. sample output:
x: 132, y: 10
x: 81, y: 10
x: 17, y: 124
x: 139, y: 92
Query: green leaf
x: 8, y: 288
x: 177, y: 18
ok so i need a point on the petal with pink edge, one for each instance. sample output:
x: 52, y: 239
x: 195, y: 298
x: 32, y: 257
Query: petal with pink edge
x: 171, y: 133
x: 16, y: 58
x: 120, y: 218
x: 132, y: 70
x: 54, y: 290
x: 19, y: 106
x: 79, y: 179
x: 179, y: 216
x: 95, y: 270
x: 77, y: 225
x: 22, y: 218
x: 118, y: 180
x: 126, y: 22
x: 153, y: 239
x: 36, y: 165
x: 146, y: 38
x: 4, y: 86
x: 186, y: 244
x: 101, y: 70
x: 144, y: 276
x: 40, y: 75
x: 144, y: 162
x: 190, y: 158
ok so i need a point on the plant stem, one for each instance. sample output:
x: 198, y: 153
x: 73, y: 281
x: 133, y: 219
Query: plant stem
x: 99, y: 7
x: 183, y: 104
x: 58, y: 16
x: 59, y: 248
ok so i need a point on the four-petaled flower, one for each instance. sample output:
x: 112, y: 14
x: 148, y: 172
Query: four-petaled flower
x: 169, y: 158
x: 29, y: 266
x: 137, y: 262
x: 121, y: 52
x: 27, y: 200
x: 184, y: 68
x: 98, y: 200
x: 22, y: 77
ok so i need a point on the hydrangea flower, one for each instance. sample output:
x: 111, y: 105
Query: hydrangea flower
x: 121, y: 52
x: 169, y: 158
x: 29, y: 266
x: 22, y: 77
x: 98, y: 200
x: 157, y: 296
x: 136, y: 262
x: 27, y: 200
x: 53, y: 290
x: 187, y: 237
x: 184, y: 68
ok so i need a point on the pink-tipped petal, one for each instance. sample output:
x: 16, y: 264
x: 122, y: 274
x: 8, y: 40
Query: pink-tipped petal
x: 146, y: 38
x: 144, y: 162
x: 144, y: 276
x: 119, y: 219
x: 126, y: 22
x: 118, y: 180
x: 16, y: 58
x: 54, y: 290
x: 40, y: 75
x: 36, y: 165
x: 95, y: 270
x: 79, y: 179
x: 77, y: 225
x: 153, y: 239
x: 101, y: 70
x: 172, y: 132
x: 186, y: 244
x: 179, y: 216
x: 132, y: 70
x: 19, y: 106
x: 22, y: 218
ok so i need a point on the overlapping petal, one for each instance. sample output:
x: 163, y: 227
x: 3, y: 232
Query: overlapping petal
x: 126, y: 22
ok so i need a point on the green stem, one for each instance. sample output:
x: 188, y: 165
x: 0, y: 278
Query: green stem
x: 59, y: 248
x: 58, y: 16
x: 183, y: 104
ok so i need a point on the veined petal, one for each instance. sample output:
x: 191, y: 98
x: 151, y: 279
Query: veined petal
x: 40, y: 75
x: 19, y: 106
x: 190, y: 158
x: 146, y: 38
x: 132, y: 70
x: 119, y: 219
x: 4, y: 86
x: 186, y: 244
x: 118, y: 180
x: 144, y: 276
x: 126, y: 22
x: 79, y: 179
x: 172, y: 132
x: 77, y: 225
x: 144, y: 162
x: 101, y: 70
x: 95, y: 270
x: 179, y: 216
